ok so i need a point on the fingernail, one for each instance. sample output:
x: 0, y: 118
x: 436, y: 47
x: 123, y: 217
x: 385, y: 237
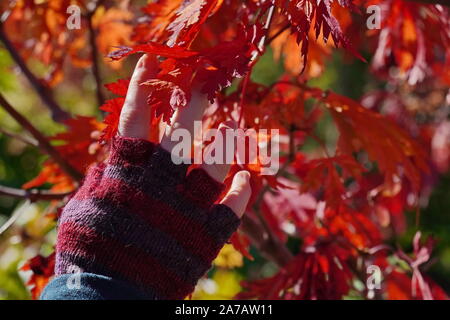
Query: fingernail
x: 243, y: 177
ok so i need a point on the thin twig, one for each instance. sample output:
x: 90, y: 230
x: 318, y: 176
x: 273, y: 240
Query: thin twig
x: 13, y: 218
x: 280, y: 31
x: 321, y: 144
x: 267, y: 27
x: 27, y: 140
x: 43, y: 143
x: 241, y: 104
x: 58, y: 114
x: 257, y: 54
x: 32, y: 194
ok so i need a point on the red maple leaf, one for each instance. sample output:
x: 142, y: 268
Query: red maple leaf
x: 42, y: 269
x: 414, y: 38
x: 152, y: 48
x: 78, y: 146
x: 323, y: 173
x: 316, y: 273
x: 188, y: 20
x: 306, y: 14
x: 420, y: 288
x: 113, y: 107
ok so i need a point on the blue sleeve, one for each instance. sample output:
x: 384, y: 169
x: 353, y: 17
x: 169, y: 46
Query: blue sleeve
x: 89, y: 286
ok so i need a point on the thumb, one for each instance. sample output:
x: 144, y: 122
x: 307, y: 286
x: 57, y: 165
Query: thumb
x: 239, y: 194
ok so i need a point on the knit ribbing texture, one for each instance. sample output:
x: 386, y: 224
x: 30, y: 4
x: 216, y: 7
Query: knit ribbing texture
x: 140, y: 218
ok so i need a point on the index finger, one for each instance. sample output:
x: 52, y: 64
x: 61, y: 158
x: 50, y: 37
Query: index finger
x: 185, y: 118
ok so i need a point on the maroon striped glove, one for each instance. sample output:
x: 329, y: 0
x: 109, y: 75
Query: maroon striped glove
x: 140, y: 219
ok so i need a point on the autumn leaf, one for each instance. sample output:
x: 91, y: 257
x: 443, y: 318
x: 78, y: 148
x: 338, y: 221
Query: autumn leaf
x: 78, y: 146
x: 399, y: 287
x: 188, y: 19
x: 119, y: 88
x: 152, y: 48
x: 315, y: 273
x: 412, y: 37
x: 42, y: 269
x: 334, y: 207
x: 113, y: 29
x: 242, y: 244
x: 285, y: 47
x: 113, y: 107
x: 224, y: 62
x: 323, y: 173
x: 306, y: 15
x: 386, y: 143
x: 163, y: 92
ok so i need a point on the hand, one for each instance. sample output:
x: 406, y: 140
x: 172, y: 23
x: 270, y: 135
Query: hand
x: 135, y: 123
x: 141, y: 219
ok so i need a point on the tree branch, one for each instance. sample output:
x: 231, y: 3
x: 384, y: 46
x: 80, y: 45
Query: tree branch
x: 256, y: 55
x: 43, y: 143
x: 95, y: 55
x: 271, y: 248
x: 280, y: 31
x: 58, y: 114
x: 259, y: 231
x: 27, y: 140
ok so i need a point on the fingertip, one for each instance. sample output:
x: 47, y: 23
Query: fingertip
x: 219, y: 171
x: 146, y: 67
x: 243, y: 175
x: 239, y: 194
x: 147, y: 60
x: 229, y: 124
x: 241, y: 182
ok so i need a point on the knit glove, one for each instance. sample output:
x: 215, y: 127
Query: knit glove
x: 141, y: 219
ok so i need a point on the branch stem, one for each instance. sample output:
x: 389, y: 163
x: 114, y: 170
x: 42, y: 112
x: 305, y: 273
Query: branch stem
x: 42, y: 141
x: 279, y: 32
x: 58, y: 114
x: 27, y: 140
x: 271, y: 248
x: 259, y: 231
x: 95, y: 55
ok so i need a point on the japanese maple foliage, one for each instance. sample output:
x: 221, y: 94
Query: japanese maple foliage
x: 344, y: 201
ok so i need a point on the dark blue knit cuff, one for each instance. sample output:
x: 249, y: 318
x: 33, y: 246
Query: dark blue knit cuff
x: 92, y: 287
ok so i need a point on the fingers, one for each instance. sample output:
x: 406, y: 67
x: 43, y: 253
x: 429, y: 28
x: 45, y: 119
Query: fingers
x: 184, y: 118
x: 239, y: 194
x: 219, y: 155
x: 135, y: 116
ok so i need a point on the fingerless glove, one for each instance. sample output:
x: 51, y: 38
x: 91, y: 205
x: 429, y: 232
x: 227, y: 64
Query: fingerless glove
x: 141, y: 219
